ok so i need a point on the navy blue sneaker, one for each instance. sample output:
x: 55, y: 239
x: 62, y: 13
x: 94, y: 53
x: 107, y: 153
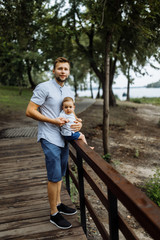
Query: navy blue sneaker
x: 60, y: 221
x: 66, y: 210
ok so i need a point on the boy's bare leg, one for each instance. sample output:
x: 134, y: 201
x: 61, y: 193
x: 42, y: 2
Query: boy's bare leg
x: 82, y: 137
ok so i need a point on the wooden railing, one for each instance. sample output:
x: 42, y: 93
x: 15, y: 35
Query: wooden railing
x: 117, y: 188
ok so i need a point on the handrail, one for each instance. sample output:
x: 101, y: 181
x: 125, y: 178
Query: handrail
x: 141, y: 207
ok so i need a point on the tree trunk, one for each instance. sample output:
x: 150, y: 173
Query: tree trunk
x: 128, y: 87
x: 91, y: 89
x: 128, y: 84
x: 106, y: 97
x: 75, y: 86
x: 33, y: 85
x: 99, y: 88
x: 112, y: 99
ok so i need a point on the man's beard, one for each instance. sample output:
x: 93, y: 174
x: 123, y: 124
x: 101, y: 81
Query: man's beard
x: 60, y: 80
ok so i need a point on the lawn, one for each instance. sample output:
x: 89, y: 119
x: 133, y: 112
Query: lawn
x: 14, y: 98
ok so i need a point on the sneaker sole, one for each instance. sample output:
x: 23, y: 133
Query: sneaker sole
x: 69, y: 214
x: 60, y: 226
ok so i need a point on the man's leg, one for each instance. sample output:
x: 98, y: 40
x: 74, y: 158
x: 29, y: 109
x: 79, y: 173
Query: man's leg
x: 53, y: 195
x: 59, y: 192
x: 60, y: 206
x: 54, y: 172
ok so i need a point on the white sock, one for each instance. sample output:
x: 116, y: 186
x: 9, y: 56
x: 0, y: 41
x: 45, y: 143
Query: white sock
x: 54, y: 214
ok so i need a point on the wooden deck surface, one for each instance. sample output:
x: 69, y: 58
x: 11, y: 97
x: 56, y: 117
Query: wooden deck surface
x: 24, y: 207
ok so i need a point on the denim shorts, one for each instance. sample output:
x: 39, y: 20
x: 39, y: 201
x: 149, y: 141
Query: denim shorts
x: 56, y: 160
x: 74, y: 136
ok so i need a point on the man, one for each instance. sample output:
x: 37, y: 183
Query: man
x: 45, y: 106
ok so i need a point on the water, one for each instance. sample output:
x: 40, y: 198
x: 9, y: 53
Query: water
x: 134, y: 92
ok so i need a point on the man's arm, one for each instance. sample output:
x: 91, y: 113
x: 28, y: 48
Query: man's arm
x: 32, y: 112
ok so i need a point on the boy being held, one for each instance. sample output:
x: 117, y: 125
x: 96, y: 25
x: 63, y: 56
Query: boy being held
x: 69, y: 114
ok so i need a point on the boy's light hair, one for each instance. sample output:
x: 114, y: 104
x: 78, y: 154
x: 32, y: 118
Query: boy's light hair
x: 67, y: 99
x: 61, y: 60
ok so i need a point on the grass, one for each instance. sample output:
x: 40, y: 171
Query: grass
x: 16, y: 99
x: 152, y: 187
x: 12, y: 99
x: 154, y: 101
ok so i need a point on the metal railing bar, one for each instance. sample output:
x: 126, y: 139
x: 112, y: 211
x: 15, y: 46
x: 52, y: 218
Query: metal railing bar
x: 126, y: 230
x: 113, y: 216
x: 74, y: 179
x: 96, y: 220
x: 73, y: 157
x: 67, y: 180
x: 141, y: 207
x: 123, y: 225
x: 81, y: 192
x: 97, y: 189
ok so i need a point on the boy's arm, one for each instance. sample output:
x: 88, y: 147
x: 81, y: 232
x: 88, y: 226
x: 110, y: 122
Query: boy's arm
x: 78, y: 119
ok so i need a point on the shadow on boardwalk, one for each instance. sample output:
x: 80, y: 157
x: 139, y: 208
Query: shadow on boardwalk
x: 23, y: 194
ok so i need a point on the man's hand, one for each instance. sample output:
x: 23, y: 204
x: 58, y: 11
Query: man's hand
x: 77, y: 126
x: 79, y: 119
x: 60, y: 121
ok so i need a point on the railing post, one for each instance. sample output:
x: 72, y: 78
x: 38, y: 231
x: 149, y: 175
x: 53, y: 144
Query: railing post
x: 113, y: 216
x: 81, y: 192
x: 67, y: 180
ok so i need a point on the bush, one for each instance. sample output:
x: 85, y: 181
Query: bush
x: 107, y: 157
x: 136, y: 100
x: 152, y: 187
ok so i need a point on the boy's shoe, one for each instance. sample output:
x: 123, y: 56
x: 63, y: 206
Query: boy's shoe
x: 60, y: 221
x: 66, y: 210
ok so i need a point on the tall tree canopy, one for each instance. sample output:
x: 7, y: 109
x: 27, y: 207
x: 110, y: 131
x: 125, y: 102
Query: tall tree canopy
x: 129, y: 28
x: 114, y: 34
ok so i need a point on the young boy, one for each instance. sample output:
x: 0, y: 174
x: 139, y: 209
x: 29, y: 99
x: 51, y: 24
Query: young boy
x: 68, y: 113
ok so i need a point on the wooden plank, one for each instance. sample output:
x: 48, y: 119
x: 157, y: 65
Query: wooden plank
x: 24, y: 203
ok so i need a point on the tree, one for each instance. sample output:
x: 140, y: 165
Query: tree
x: 30, y: 30
x: 19, y: 36
x: 114, y: 32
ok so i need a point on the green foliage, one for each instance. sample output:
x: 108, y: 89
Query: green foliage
x: 154, y: 101
x: 30, y: 30
x: 152, y: 187
x: 107, y: 157
x: 136, y: 154
x: 135, y: 100
x: 154, y: 85
x: 33, y: 33
x: 14, y: 98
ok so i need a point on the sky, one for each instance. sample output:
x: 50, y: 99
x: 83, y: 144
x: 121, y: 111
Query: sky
x: 139, y: 81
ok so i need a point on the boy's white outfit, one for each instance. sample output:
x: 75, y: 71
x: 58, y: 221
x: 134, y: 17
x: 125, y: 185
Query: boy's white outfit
x: 66, y: 130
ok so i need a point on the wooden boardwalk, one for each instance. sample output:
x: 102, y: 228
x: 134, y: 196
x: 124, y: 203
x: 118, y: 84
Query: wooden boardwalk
x: 24, y: 207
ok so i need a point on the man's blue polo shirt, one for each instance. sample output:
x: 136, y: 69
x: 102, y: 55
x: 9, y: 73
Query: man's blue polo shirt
x: 49, y: 96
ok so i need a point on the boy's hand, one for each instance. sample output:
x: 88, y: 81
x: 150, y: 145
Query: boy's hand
x: 60, y: 121
x: 79, y: 119
x: 77, y: 126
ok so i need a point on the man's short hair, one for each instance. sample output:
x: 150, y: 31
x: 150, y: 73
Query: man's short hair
x: 61, y: 60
